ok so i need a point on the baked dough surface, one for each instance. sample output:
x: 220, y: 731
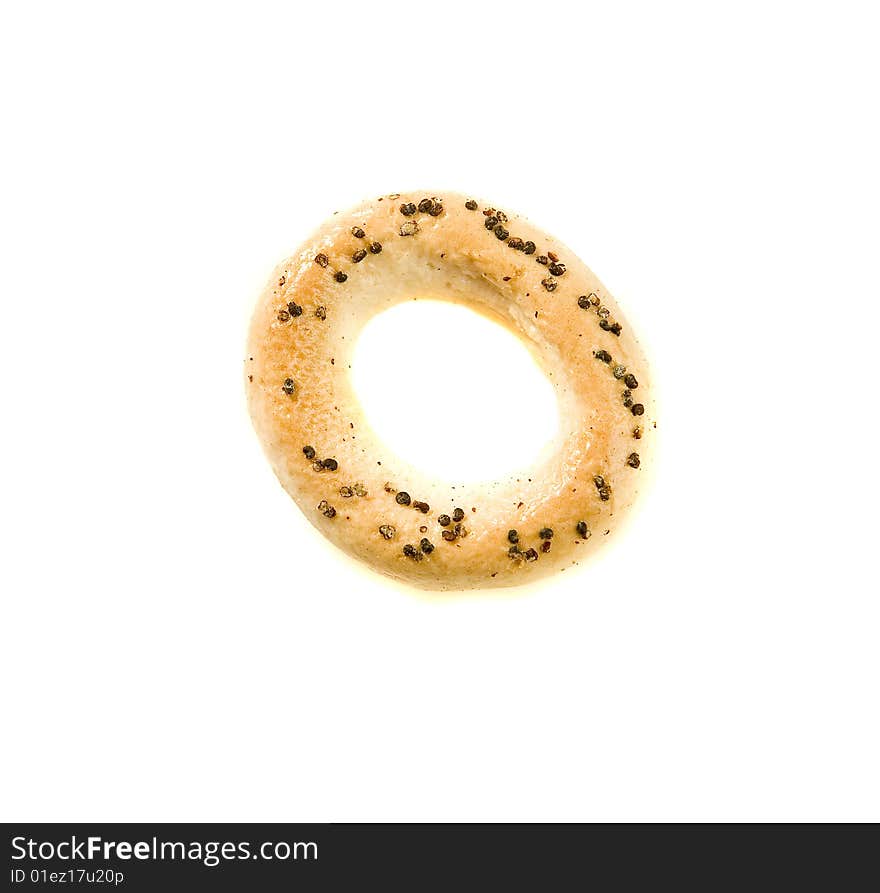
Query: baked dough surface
x: 371, y: 503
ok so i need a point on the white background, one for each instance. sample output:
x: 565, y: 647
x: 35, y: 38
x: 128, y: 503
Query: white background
x: 178, y: 643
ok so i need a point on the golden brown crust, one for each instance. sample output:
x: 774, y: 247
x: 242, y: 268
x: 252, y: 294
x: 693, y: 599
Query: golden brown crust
x: 300, y: 394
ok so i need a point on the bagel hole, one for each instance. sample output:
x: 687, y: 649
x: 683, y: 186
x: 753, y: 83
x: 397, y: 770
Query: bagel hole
x: 453, y: 393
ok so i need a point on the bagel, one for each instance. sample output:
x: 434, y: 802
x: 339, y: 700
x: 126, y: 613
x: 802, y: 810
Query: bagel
x: 379, y: 508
